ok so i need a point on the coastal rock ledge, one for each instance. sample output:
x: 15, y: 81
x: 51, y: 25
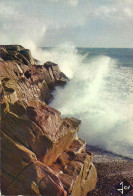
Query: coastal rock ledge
x: 41, y: 152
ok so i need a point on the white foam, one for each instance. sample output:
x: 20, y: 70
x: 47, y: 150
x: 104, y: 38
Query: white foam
x: 97, y: 95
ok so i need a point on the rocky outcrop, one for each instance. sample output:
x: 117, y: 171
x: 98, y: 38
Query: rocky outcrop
x: 23, y: 174
x: 41, y: 152
x: 22, y: 78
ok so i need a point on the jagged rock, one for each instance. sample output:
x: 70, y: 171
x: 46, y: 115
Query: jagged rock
x: 76, y: 171
x: 22, y: 59
x: 16, y: 52
x: 77, y: 146
x: 28, y: 82
x: 56, y: 75
x: 47, y: 134
x: 41, y: 152
x: 8, y: 88
x: 19, y: 107
x: 27, y: 54
x: 22, y: 174
x: 13, y: 47
x: 42, y: 131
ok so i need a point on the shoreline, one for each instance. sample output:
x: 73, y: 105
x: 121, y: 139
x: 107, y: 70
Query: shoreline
x: 111, y: 169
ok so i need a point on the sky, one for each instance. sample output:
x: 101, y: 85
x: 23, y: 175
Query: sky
x: 85, y: 23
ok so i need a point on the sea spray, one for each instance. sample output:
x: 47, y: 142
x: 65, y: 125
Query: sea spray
x: 100, y: 93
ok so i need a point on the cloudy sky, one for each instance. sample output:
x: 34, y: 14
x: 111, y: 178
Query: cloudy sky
x: 85, y: 23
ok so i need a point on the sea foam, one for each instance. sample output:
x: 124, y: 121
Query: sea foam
x: 100, y: 94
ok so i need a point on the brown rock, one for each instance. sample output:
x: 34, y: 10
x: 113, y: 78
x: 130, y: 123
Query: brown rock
x: 13, y: 47
x: 16, y: 52
x: 27, y: 54
x: 18, y: 65
x: 42, y: 130
x: 60, y: 132
x: 77, y: 146
x: 25, y: 175
x: 36, y: 179
x: 19, y: 107
x: 41, y: 152
x: 76, y: 171
x: 26, y: 132
x: 22, y: 59
x: 56, y: 75
x: 42, y: 134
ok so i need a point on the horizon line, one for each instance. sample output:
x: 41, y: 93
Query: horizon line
x: 87, y: 47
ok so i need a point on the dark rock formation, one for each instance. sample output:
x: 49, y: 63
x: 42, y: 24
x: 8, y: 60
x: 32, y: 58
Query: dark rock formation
x: 56, y: 75
x: 41, y: 152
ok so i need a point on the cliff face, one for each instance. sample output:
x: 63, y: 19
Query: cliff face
x: 41, y: 152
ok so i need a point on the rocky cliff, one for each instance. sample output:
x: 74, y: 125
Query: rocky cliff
x: 41, y: 152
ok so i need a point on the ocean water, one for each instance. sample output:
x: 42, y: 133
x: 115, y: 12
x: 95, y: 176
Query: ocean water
x: 100, y: 93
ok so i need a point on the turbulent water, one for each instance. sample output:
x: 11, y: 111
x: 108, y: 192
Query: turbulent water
x: 100, y: 93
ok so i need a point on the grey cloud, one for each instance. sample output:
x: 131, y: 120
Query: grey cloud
x: 71, y: 2
x: 50, y: 22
